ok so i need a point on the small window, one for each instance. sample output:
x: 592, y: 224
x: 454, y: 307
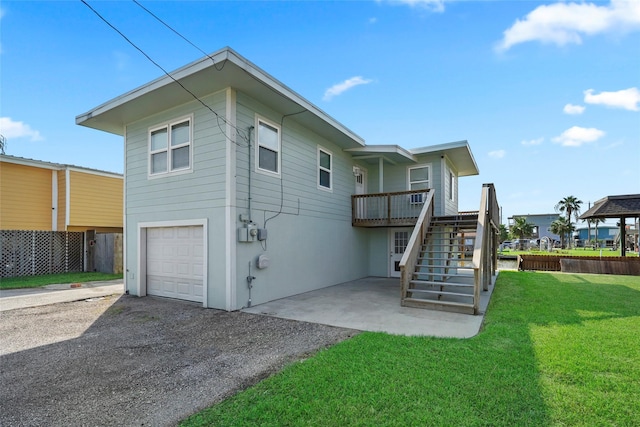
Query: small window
x: 268, y: 146
x: 452, y: 185
x: 419, y: 178
x: 170, y: 148
x: 325, y: 180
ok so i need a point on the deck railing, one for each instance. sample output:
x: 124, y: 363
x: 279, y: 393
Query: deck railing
x: 400, y: 208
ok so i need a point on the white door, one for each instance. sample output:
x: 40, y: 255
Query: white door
x: 175, y: 262
x: 398, y: 239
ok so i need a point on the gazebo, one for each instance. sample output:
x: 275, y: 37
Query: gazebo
x: 622, y: 207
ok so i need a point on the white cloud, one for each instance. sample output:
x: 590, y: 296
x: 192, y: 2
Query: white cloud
x: 433, y: 5
x: 339, y: 88
x: 11, y: 129
x: 577, y: 136
x: 565, y: 23
x: 573, y: 109
x: 537, y: 141
x: 373, y: 20
x: 497, y: 154
x: 627, y: 98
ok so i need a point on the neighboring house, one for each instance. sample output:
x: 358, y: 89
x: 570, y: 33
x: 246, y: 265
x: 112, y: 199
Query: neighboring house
x: 44, y: 196
x: 40, y: 196
x: 541, y: 223
x: 244, y: 195
x: 608, y: 235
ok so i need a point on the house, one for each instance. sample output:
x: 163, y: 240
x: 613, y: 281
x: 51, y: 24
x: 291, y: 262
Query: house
x: 239, y: 191
x: 607, y: 235
x: 541, y: 224
x: 41, y: 197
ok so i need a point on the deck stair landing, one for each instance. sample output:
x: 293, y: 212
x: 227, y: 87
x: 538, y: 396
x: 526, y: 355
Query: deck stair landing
x: 444, y: 275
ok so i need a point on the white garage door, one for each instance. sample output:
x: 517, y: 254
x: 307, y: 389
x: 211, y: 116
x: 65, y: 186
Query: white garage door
x: 174, y: 262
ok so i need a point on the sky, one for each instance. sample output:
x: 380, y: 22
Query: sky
x: 546, y: 93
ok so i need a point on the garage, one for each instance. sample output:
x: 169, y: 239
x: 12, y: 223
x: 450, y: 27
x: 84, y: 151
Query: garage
x: 175, y: 259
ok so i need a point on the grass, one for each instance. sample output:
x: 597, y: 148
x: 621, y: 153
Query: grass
x: 556, y: 349
x: 49, y: 279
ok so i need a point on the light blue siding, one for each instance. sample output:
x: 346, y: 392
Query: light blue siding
x: 311, y: 243
x: 199, y: 194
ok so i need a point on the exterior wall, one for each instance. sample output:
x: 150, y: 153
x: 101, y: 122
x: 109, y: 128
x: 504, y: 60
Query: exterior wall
x: 542, y: 222
x: 95, y: 201
x: 450, y: 205
x: 194, y: 197
x: 26, y: 197
x: 311, y: 243
x: 378, y: 252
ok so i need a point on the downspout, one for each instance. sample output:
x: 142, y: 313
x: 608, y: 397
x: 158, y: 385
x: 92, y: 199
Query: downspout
x: 249, y: 173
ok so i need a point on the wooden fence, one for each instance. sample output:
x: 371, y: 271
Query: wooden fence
x: 586, y: 264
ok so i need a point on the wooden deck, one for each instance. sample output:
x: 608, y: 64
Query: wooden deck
x: 397, y: 209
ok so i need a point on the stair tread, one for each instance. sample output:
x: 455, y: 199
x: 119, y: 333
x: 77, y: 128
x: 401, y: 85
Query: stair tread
x: 436, y: 292
x: 431, y: 273
x: 434, y: 283
x: 453, y: 303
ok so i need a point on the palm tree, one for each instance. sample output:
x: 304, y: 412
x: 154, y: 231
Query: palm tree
x: 569, y: 204
x: 595, y: 222
x: 562, y: 227
x: 521, y: 229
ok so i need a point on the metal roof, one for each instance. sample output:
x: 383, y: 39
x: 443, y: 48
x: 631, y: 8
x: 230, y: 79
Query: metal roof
x: 624, y: 206
x: 54, y: 166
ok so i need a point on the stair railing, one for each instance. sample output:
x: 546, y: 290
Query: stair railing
x: 412, y: 251
x: 485, y: 248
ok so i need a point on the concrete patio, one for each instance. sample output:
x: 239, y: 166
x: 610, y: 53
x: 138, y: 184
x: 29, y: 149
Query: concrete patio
x: 373, y: 304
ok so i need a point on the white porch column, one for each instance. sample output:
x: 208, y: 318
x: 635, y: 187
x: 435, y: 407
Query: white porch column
x: 381, y: 175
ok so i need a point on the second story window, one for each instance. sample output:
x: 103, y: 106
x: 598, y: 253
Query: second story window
x: 268, y: 147
x: 170, y: 148
x: 325, y: 159
x: 418, y: 177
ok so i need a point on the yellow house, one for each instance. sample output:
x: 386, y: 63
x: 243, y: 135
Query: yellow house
x: 43, y: 196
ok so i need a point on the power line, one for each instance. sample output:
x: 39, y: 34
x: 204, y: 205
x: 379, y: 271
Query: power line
x: 179, y: 35
x: 218, y: 117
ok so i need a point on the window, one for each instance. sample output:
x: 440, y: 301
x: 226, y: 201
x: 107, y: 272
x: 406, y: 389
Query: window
x: 170, y: 148
x: 325, y: 180
x: 419, y: 177
x: 268, y: 146
x: 452, y: 185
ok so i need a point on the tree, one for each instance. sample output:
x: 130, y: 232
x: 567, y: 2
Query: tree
x: 503, y: 233
x: 521, y: 229
x: 562, y: 227
x: 594, y: 222
x: 569, y: 204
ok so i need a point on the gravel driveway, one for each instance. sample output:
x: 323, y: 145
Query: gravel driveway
x: 124, y: 360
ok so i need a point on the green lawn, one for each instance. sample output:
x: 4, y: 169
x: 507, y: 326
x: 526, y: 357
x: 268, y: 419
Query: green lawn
x: 556, y: 349
x: 49, y: 279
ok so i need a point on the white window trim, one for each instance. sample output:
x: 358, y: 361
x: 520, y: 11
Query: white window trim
x: 167, y: 125
x: 425, y: 165
x: 319, y: 168
x: 258, y: 169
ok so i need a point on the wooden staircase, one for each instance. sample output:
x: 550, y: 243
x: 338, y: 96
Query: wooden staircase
x: 443, y: 278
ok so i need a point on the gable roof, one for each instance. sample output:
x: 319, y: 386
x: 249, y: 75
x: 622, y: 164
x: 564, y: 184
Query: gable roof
x: 623, y: 206
x: 204, y: 77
